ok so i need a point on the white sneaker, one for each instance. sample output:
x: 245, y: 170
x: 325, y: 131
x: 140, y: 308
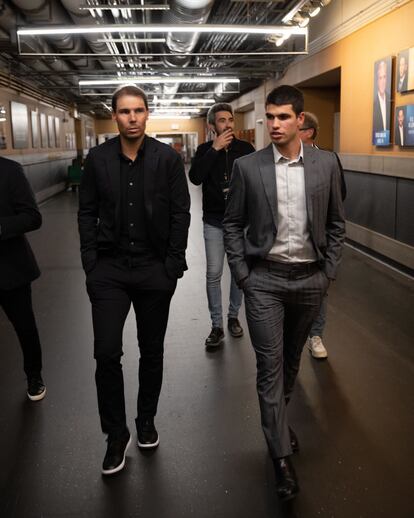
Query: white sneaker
x: 316, y: 347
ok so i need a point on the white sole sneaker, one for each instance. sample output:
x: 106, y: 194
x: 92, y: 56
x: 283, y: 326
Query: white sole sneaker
x: 38, y: 397
x: 149, y: 446
x: 121, y: 465
x: 317, y: 351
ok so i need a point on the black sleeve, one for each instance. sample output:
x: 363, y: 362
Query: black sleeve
x: 203, y: 164
x: 26, y: 215
x: 88, y: 215
x: 343, y: 184
x: 175, y: 263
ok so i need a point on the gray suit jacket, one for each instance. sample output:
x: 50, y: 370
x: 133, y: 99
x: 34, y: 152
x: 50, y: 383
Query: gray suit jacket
x: 250, y: 220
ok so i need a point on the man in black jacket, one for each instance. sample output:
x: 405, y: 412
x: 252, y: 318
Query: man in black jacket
x: 133, y: 224
x: 212, y: 167
x: 18, y: 268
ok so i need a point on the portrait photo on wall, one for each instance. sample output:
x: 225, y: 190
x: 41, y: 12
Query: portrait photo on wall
x: 381, y: 123
x: 404, y: 125
x: 404, y: 77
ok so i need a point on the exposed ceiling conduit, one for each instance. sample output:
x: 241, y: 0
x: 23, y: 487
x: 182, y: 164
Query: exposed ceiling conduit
x: 184, y: 11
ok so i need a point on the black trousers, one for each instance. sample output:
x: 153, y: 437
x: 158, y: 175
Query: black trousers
x: 17, y: 304
x: 112, y: 286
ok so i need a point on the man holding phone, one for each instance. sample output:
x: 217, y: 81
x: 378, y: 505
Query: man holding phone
x: 212, y: 166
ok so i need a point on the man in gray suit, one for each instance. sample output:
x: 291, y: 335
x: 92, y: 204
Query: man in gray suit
x: 283, y: 232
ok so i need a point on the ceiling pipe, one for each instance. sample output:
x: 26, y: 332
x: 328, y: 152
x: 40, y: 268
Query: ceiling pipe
x: 38, y: 10
x: 181, y: 12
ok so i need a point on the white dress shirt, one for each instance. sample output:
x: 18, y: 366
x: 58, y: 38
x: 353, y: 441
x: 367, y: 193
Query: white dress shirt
x: 401, y: 130
x: 293, y: 243
x: 383, y: 106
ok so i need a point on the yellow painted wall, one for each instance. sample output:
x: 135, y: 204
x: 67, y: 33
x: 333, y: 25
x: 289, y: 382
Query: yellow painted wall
x: 356, y: 55
x: 159, y: 126
x: 323, y: 102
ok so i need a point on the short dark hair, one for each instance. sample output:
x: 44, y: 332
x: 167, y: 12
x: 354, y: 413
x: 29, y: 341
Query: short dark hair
x: 218, y: 107
x: 310, y: 121
x: 286, y: 94
x: 128, y: 90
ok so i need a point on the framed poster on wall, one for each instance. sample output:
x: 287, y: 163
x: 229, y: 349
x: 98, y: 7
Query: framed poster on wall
x: 35, y: 128
x: 381, y: 120
x: 51, y: 130
x: 3, y: 120
x: 57, y: 131
x: 20, y: 125
x: 404, y: 80
x: 404, y: 125
x: 43, y: 130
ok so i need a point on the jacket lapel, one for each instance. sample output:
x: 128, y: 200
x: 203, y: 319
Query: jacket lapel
x: 113, y: 169
x: 268, y: 174
x: 310, y: 172
x: 151, y: 158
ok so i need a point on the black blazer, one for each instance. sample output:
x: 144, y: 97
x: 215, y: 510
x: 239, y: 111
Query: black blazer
x: 398, y: 136
x: 18, y: 214
x: 250, y: 221
x: 166, y: 199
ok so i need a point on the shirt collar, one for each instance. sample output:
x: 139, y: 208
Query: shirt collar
x: 280, y: 158
x: 141, y: 150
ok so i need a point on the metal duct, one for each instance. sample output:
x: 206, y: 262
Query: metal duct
x: 8, y: 23
x: 85, y: 18
x: 41, y: 10
x: 184, y: 11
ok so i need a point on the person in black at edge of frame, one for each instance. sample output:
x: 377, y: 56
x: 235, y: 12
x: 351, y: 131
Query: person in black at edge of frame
x: 18, y: 268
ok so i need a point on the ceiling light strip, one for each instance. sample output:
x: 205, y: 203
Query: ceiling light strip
x: 133, y: 40
x: 157, y: 54
x: 187, y: 28
x: 106, y: 7
x: 158, y: 80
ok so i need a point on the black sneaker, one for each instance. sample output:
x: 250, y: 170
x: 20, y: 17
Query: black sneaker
x: 114, y: 459
x: 147, y: 434
x: 234, y: 327
x: 36, y: 389
x: 215, y: 338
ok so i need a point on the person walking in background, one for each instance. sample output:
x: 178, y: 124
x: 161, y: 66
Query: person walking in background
x: 18, y: 268
x: 212, y: 168
x: 308, y: 133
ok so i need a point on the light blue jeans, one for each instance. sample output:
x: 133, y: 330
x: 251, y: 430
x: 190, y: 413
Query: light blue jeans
x: 214, y: 243
x: 319, y: 323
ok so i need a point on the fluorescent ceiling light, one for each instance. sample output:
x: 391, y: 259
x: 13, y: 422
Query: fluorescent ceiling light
x: 168, y: 117
x: 159, y: 110
x: 187, y: 28
x: 132, y: 40
x: 157, y: 80
x: 184, y: 101
x: 106, y: 7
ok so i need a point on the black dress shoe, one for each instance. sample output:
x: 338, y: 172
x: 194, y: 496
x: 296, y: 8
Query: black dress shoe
x: 114, y: 459
x: 36, y: 389
x: 234, y: 327
x: 215, y: 338
x: 294, y: 442
x: 287, y: 484
x: 147, y: 434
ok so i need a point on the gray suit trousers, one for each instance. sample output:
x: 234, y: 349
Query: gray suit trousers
x: 280, y: 309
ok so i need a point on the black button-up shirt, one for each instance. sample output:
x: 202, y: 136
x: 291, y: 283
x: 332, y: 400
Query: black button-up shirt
x: 134, y: 239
